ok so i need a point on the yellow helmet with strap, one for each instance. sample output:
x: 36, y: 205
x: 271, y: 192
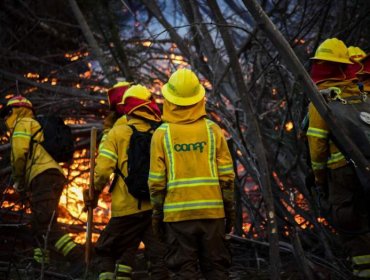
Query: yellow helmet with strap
x: 333, y: 50
x: 183, y: 88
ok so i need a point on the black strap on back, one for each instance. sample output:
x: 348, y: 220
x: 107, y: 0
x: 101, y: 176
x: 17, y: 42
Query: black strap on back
x: 117, y: 171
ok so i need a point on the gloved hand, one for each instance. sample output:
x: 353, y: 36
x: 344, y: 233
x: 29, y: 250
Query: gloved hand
x: 229, y: 218
x: 229, y: 208
x: 321, y: 182
x: 158, y: 224
x: 90, y: 201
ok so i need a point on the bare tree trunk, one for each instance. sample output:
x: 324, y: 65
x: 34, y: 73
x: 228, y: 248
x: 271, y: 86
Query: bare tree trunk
x: 265, y: 178
x: 97, y: 52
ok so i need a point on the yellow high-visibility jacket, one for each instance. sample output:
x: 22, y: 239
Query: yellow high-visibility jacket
x: 113, y: 153
x: 189, y: 158
x: 25, y: 167
x: 324, y: 153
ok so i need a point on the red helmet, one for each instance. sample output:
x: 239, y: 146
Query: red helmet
x: 116, y: 93
x: 19, y: 101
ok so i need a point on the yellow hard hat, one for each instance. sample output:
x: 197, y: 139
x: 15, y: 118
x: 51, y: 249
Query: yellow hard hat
x: 355, y: 53
x: 121, y: 84
x: 183, y: 88
x: 333, y: 50
x: 137, y: 91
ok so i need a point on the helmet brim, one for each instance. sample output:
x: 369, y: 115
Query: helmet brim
x: 183, y: 101
x: 338, y: 60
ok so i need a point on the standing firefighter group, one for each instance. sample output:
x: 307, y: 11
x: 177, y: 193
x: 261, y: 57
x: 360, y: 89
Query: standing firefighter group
x: 178, y: 198
x: 189, y: 204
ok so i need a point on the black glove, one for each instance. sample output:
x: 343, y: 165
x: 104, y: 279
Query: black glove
x: 90, y: 201
x: 229, y: 218
x: 158, y: 224
x: 229, y: 208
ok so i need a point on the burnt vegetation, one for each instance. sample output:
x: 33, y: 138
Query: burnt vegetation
x: 64, y: 55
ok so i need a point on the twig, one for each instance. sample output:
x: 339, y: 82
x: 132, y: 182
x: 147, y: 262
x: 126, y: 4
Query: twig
x: 45, y: 252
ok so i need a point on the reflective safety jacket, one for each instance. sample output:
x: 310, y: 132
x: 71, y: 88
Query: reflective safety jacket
x: 324, y: 153
x: 26, y: 166
x: 189, y: 158
x: 112, y: 154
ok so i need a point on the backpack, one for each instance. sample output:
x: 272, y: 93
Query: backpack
x: 354, y: 115
x: 58, y: 139
x: 138, y: 164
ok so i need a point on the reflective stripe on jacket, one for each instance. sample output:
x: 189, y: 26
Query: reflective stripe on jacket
x: 114, y: 153
x: 187, y: 163
x: 323, y: 152
x: 25, y: 167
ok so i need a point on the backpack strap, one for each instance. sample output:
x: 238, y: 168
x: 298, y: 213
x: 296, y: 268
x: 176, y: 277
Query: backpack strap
x: 117, y: 173
x: 135, y: 130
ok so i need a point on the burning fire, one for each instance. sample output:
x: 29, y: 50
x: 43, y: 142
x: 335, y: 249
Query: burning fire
x: 71, y: 202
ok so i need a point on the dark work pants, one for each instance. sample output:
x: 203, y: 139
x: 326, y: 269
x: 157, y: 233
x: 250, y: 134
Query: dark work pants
x: 46, y: 189
x: 349, y: 210
x: 119, y: 241
x: 198, y: 241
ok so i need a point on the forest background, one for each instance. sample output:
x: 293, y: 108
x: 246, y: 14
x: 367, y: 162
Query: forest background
x: 64, y: 55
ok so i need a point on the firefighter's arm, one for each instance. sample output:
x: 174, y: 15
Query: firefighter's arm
x: 226, y: 177
x: 104, y: 166
x: 225, y: 168
x: 318, y: 141
x: 157, y: 183
x: 157, y: 173
x: 20, y: 143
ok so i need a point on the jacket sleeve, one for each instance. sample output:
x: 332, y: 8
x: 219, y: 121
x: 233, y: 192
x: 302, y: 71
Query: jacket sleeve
x: 106, y: 161
x: 318, y: 141
x: 223, y: 157
x: 20, y: 144
x: 157, y: 173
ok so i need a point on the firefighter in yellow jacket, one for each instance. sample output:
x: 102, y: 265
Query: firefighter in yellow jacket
x: 130, y: 223
x: 333, y: 69
x: 191, y: 182
x: 38, y: 175
x: 115, y: 95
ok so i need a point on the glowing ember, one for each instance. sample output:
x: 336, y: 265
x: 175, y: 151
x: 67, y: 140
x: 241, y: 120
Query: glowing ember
x: 32, y: 75
x: 147, y: 43
x: 54, y: 81
x: 289, y: 126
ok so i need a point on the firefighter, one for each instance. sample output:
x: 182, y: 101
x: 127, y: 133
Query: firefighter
x: 129, y: 224
x: 38, y: 175
x: 191, y: 182
x: 115, y: 95
x: 330, y: 167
